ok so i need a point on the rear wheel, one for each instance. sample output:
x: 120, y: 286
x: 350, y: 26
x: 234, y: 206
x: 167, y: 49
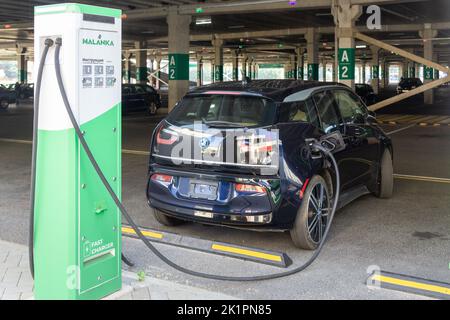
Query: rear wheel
x: 166, y: 220
x: 313, y: 215
x: 385, y: 176
x: 4, y: 104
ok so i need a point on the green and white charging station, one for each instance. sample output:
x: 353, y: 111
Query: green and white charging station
x: 77, y: 227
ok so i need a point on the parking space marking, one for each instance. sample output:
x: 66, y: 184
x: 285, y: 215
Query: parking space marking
x: 401, y: 129
x: 274, y: 258
x: 397, y: 176
x: 150, y: 234
x: 421, y: 178
x: 421, y: 120
x: 16, y: 141
x: 136, y: 152
x: 125, y: 151
x: 411, y: 284
x: 246, y: 252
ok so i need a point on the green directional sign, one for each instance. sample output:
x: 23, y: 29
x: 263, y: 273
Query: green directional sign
x: 218, y: 73
x: 346, y: 57
x: 375, y: 72
x: 300, y: 73
x: 428, y: 73
x: 178, y: 66
x: 141, y: 73
x: 313, y: 71
x: 270, y: 65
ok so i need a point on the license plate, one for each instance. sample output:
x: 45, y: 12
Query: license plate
x: 203, y: 190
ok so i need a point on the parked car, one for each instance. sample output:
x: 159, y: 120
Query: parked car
x: 365, y: 91
x: 140, y: 97
x: 407, y: 84
x: 6, y: 98
x: 273, y: 181
x: 22, y: 90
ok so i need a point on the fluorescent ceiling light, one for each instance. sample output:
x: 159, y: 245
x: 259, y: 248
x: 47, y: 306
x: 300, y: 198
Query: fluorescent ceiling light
x: 203, y: 20
x: 361, y: 46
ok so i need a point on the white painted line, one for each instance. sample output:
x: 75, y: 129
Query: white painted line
x: 136, y: 152
x: 146, y: 153
x: 421, y: 178
x: 126, y: 151
x: 401, y: 129
x: 16, y: 141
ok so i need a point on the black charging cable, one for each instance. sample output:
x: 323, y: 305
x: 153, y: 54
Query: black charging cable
x: 122, y: 209
x: 47, y: 44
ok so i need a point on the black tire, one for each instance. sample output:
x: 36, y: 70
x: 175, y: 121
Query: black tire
x: 310, y: 225
x: 385, y: 176
x: 165, y: 220
x: 4, y: 104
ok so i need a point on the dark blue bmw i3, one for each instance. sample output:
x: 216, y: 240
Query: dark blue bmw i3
x: 238, y: 154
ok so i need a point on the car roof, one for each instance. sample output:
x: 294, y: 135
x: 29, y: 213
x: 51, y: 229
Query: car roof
x: 277, y: 90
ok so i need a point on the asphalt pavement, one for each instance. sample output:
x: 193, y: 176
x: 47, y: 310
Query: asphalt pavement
x: 406, y: 234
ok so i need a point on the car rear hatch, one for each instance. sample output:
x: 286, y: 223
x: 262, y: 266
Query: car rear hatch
x: 218, y: 150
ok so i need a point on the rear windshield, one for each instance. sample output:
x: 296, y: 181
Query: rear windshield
x: 224, y: 111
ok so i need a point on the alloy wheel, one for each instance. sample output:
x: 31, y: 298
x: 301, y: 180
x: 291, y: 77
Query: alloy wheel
x: 318, y: 212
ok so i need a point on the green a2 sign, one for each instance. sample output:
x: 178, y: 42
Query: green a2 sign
x: 178, y: 66
x: 346, y: 57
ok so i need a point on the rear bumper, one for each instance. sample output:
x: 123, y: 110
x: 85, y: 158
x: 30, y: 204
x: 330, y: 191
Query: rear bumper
x: 259, y: 212
x: 212, y: 217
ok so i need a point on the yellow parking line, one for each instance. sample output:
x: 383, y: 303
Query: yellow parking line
x: 246, y: 252
x: 150, y: 234
x: 412, y: 284
x: 421, y: 178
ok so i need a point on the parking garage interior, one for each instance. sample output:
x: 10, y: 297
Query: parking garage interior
x: 228, y: 40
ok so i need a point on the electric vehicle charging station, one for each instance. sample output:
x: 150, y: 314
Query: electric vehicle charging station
x: 77, y: 238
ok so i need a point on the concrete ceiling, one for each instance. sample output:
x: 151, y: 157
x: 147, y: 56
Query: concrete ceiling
x: 145, y: 21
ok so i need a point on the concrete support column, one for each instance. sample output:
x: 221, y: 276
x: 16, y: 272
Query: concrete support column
x: 363, y: 71
x: 151, y: 70
x: 178, y: 55
x: 312, y: 49
x: 293, y: 67
x: 428, y: 34
x: 300, y: 61
x: 287, y: 68
x: 141, y: 62
x: 22, y: 70
x: 386, y: 74
x: 375, y: 79
x: 345, y: 15
x: 244, y: 65
x: 158, y: 59
x: 218, y: 59
x: 199, y: 69
x: 324, y: 70
x: 235, y: 63
x: 126, y: 74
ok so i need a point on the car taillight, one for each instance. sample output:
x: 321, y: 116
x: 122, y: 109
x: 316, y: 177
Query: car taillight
x: 163, y: 178
x: 166, y: 137
x: 251, y: 188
